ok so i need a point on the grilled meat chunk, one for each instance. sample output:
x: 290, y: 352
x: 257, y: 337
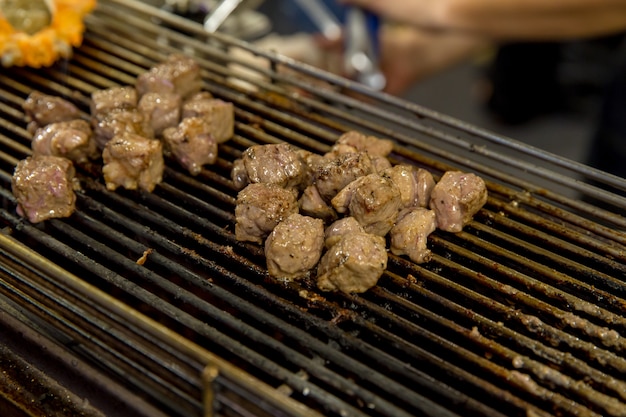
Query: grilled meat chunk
x: 340, y: 171
x: 220, y: 115
x: 275, y: 164
x: 373, y: 200
x: 340, y: 228
x: 43, y: 186
x: 410, y: 233
x: 456, y: 198
x: 115, y: 98
x: 42, y: 109
x: 362, y: 143
x: 239, y: 175
x: 119, y: 122
x: 260, y: 207
x: 72, y: 140
x: 415, y: 184
x: 179, y: 74
x: 133, y: 162
x: 312, y: 161
x: 312, y: 204
x: 294, y: 247
x: 191, y: 144
x: 161, y: 110
x: 353, y: 264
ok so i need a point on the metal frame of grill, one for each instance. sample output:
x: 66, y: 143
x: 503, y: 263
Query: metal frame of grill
x: 520, y: 314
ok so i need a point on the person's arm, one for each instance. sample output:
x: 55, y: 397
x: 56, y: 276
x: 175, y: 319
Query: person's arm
x: 508, y: 19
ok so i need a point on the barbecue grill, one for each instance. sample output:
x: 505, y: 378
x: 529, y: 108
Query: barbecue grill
x: 144, y: 304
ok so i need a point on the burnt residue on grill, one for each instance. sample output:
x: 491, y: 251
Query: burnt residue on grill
x: 520, y: 314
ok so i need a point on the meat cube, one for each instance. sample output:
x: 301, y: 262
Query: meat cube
x: 161, y: 110
x: 294, y: 247
x: 340, y: 228
x: 133, y: 162
x: 410, y: 233
x: 456, y: 198
x: 340, y: 171
x: 260, y: 207
x: 354, y: 264
x: 239, y: 175
x: 115, y: 98
x: 72, y: 140
x: 119, y: 122
x: 312, y: 204
x: 191, y: 144
x: 179, y: 74
x: 42, y: 109
x: 415, y: 184
x: 274, y: 164
x: 312, y: 161
x: 374, y: 201
x: 43, y: 186
x: 220, y: 115
x: 380, y: 163
x: 363, y: 143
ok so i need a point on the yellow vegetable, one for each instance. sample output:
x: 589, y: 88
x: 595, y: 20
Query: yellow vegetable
x: 36, y: 33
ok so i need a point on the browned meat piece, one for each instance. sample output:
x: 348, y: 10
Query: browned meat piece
x: 456, y: 198
x: 340, y: 171
x: 409, y: 235
x: 72, y: 140
x: 42, y: 109
x: 43, y: 186
x: 160, y: 110
x: 274, y: 164
x: 133, y: 162
x: 340, y: 228
x: 374, y: 201
x: 353, y: 264
x: 260, y: 207
x: 114, y: 98
x: 294, y: 247
x: 312, y: 204
x: 372, y: 145
x: 220, y: 115
x: 178, y: 74
x: 191, y: 144
x: 239, y: 175
x: 119, y: 122
x: 380, y: 163
x: 415, y: 184
x: 312, y: 161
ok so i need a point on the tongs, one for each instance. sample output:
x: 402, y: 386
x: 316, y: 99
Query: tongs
x: 360, y: 40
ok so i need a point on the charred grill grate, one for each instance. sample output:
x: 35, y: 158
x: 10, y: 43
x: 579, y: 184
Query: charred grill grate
x: 520, y: 314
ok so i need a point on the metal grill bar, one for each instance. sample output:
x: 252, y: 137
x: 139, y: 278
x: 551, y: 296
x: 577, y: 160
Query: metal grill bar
x: 520, y: 313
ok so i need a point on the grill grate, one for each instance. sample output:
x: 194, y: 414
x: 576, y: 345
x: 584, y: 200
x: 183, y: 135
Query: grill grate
x: 520, y: 314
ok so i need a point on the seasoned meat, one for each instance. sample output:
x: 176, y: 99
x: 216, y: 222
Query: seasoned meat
x: 294, y: 247
x: 380, y: 163
x: 43, y: 186
x: 72, y: 140
x: 456, y: 198
x: 191, y: 144
x: 312, y: 161
x: 415, y: 184
x: 178, y: 74
x: 133, y: 162
x: 340, y: 228
x: 340, y: 171
x: 363, y: 143
x: 312, y: 204
x: 274, y: 164
x: 161, y: 110
x: 119, y: 122
x: 42, y: 109
x: 114, y: 98
x: 374, y: 201
x: 239, y: 175
x: 410, y: 233
x: 353, y: 264
x: 220, y: 115
x: 260, y: 207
